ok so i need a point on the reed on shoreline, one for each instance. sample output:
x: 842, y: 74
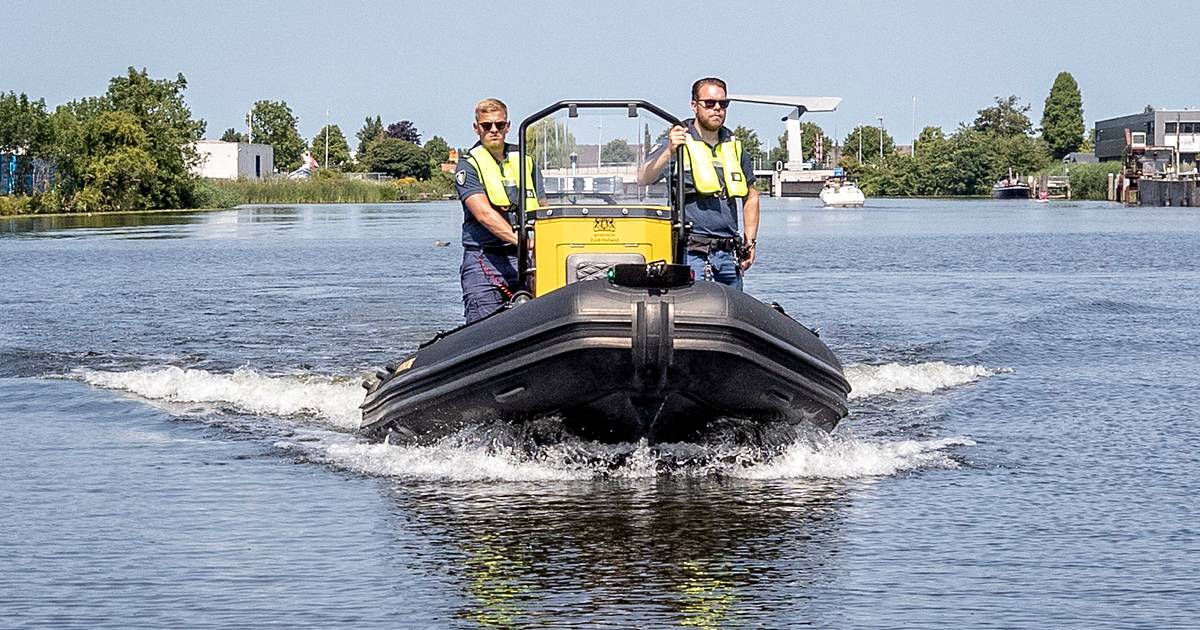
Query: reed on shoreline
x: 222, y: 193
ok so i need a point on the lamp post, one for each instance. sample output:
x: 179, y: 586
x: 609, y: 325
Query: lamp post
x: 880, y: 119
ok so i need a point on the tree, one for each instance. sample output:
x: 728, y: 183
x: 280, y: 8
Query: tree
x: 404, y: 130
x: 399, y: 158
x: 24, y: 127
x: 1062, y: 118
x: 22, y: 122
x: 438, y: 150
x: 171, y: 132
x: 869, y: 135
x: 550, y: 143
x: 233, y: 135
x: 339, y: 151
x: 934, y: 164
x: 1006, y: 118
x: 120, y: 173
x: 371, y: 131
x: 273, y: 123
x: 617, y: 151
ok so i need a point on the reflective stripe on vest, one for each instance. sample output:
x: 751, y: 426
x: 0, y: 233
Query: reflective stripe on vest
x: 497, y: 177
x: 699, y: 159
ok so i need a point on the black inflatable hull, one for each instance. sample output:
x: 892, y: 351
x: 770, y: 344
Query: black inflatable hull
x: 617, y: 364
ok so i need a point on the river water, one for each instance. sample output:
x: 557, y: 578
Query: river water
x: 178, y: 393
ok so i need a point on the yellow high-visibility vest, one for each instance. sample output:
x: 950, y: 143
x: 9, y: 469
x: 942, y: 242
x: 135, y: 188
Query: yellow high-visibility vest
x: 497, y: 177
x: 699, y: 159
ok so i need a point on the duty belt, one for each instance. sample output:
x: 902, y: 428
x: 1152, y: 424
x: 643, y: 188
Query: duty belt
x: 706, y: 244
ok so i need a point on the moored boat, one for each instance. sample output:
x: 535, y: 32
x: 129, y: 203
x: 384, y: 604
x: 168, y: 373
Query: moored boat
x: 1011, y: 187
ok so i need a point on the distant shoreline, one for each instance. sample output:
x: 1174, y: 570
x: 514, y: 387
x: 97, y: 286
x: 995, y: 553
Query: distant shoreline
x: 40, y: 215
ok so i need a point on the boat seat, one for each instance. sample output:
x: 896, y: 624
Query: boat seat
x: 594, y: 265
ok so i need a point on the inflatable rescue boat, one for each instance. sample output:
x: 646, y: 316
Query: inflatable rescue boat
x: 618, y: 340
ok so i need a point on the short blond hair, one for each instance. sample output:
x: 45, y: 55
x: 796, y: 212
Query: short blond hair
x: 489, y: 105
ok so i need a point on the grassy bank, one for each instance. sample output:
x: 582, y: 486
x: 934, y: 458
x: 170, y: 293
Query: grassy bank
x: 223, y: 194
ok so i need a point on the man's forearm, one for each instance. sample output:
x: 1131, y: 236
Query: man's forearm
x: 488, y: 217
x: 750, y: 214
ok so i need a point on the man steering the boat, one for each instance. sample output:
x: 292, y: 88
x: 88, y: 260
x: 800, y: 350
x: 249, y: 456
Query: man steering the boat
x: 486, y: 180
x: 717, y: 173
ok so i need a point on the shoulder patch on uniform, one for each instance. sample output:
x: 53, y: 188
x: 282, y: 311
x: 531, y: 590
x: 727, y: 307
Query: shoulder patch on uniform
x: 461, y: 178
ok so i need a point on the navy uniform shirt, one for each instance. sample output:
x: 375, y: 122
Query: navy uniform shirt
x: 709, y: 215
x: 467, y: 182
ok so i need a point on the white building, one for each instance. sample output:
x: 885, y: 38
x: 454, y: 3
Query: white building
x: 233, y: 160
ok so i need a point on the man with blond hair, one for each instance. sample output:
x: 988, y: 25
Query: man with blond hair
x: 717, y: 173
x: 486, y: 179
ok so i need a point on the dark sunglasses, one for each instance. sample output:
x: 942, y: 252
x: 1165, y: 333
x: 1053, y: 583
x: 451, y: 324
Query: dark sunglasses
x: 493, y: 126
x: 709, y: 103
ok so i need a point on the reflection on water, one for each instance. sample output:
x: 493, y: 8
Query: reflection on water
x: 665, y: 551
x: 67, y: 223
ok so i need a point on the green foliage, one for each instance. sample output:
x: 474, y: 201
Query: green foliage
x: 870, y: 136
x: 159, y: 108
x: 1006, y: 118
x: 438, y: 150
x: 965, y: 163
x: 398, y: 158
x: 1062, y: 119
x: 550, y: 143
x: 339, y: 150
x: 371, y: 131
x: 617, y: 151
x: 17, y: 204
x: 233, y: 135
x: 23, y: 123
x: 273, y: 123
x: 24, y: 127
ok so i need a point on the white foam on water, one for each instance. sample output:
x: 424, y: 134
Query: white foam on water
x: 443, y: 462
x: 849, y: 458
x: 873, y: 380
x: 335, y: 402
x: 830, y: 458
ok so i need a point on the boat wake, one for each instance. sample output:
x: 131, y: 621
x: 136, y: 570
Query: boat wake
x: 926, y: 378
x: 331, y: 401
x: 540, y: 451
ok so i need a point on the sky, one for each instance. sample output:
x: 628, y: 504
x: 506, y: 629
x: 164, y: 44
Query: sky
x: 430, y: 62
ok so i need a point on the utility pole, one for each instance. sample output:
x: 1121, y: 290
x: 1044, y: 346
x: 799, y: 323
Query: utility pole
x: 250, y: 124
x: 326, y: 137
x: 914, y: 128
x: 860, y: 133
x: 880, y: 119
